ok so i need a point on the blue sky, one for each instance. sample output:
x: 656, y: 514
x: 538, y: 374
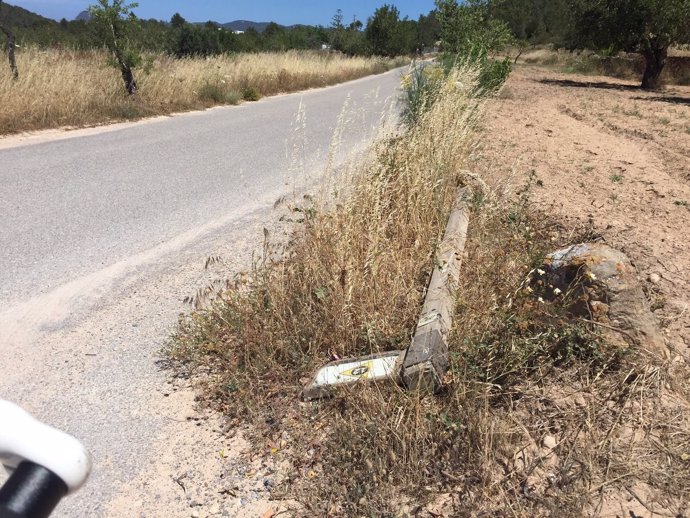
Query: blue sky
x: 312, y: 12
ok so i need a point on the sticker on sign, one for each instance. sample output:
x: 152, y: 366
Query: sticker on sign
x: 376, y: 367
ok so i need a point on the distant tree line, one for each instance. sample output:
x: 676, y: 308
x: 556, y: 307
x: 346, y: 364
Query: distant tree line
x: 385, y: 33
x: 648, y: 27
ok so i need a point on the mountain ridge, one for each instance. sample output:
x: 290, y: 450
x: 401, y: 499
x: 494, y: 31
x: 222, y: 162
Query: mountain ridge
x: 15, y: 16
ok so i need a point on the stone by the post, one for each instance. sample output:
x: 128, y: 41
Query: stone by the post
x: 605, y: 288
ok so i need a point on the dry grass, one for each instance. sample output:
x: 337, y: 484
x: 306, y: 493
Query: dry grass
x: 538, y: 417
x: 73, y: 88
x: 623, y: 66
x: 354, y: 276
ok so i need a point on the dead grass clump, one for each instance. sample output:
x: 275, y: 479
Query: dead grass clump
x: 63, y: 87
x: 538, y: 416
x: 352, y: 280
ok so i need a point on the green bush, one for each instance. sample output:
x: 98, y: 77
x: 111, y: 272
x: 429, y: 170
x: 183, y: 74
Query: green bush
x: 249, y: 93
x: 212, y: 92
x: 423, y: 83
x: 421, y: 89
x: 492, y: 72
x: 233, y: 97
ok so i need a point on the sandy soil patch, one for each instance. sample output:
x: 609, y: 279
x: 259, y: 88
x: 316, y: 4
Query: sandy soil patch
x: 599, y: 154
x: 602, y: 153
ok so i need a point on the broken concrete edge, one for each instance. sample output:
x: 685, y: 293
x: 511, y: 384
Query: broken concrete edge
x: 422, y: 378
x: 315, y: 390
x: 426, y: 360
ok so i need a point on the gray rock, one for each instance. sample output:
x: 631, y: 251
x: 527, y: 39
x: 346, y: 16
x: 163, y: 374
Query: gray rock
x: 604, y: 287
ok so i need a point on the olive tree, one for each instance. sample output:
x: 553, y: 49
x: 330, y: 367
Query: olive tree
x: 466, y: 26
x: 647, y: 27
x: 112, y: 19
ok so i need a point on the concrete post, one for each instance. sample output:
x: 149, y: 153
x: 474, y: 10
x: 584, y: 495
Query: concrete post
x: 426, y: 360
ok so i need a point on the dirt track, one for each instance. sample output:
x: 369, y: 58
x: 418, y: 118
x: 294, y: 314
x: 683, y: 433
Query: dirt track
x: 605, y: 155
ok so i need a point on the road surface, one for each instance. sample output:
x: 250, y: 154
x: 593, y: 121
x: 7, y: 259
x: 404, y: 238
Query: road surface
x: 104, y: 232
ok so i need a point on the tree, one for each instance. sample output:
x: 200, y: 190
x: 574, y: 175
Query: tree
x: 10, y: 48
x: 428, y: 29
x: 470, y: 32
x: 535, y: 21
x: 177, y: 22
x: 388, y: 35
x: 647, y: 27
x: 192, y: 40
x: 356, y: 25
x: 112, y: 21
x: 348, y: 39
x: 337, y: 38
x: 469, y: 26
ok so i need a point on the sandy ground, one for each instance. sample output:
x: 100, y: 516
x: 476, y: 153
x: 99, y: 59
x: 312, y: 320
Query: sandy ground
x: 156, y: 453
x: 604, y: 155
x: 600, y: 155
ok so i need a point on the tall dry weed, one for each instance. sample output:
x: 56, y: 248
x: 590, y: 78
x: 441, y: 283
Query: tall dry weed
x: 537, y: 417
x: 63, y: 87
x: 352, y: 280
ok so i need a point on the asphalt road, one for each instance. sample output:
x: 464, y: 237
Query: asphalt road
x: 102, y: 234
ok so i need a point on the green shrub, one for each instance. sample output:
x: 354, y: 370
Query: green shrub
x: 421, y: 89
x: 233, y: 97
x: 125, y: 110
x: 424, y: 82
x: 492, y: 72
x: 249, y: 93
x: 212, y: 92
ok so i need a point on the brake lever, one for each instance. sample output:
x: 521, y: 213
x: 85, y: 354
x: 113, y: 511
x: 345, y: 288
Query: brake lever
x: 45, y: 464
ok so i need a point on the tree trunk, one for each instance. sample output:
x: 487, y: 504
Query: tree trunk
x: 125, y: 69
x: 656, y: 59
x: 128, y: 78
x: 10, y: 50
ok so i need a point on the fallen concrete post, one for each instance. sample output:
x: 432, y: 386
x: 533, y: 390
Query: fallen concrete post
x: 426, y: 360
x: 422, y: 365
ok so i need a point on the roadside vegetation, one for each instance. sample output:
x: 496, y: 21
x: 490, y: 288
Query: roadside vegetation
x: 61, y: 87
x: 72, y: 73
x: 540, y: 415
x: 629, y: 66
x: 63, y: 60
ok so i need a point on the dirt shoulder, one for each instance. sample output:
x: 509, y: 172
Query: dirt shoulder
x: 606, y: 155
x: 603, y: 158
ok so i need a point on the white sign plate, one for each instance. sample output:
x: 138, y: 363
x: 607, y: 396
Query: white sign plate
x: 343, y: 372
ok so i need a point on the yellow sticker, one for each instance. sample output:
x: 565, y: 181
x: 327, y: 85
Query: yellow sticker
x: 361, y: 371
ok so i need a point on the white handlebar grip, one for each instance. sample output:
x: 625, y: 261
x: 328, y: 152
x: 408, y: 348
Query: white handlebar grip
x: 24, y: 438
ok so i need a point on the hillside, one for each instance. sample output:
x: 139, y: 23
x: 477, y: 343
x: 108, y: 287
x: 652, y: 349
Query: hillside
x: 84, y: 16
x: 243, y: 25
x: 19, y: 17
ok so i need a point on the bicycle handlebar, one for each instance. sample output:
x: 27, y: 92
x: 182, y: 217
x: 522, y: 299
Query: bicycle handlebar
x: 45, y: 464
